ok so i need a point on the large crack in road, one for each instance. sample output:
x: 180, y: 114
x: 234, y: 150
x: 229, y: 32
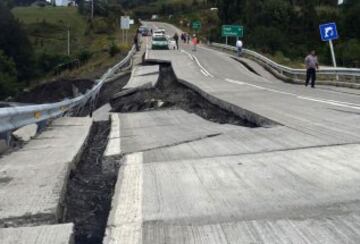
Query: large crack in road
x: 170, y: 94
x: 90, y: 188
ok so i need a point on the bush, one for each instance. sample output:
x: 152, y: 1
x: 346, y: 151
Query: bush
x: 102, y: 26
x: 48, y: 62
x: 8, y: 81
x: 84, y: 56
x: 114, y: 49
x: 267, y: 39
x: 350, y: 53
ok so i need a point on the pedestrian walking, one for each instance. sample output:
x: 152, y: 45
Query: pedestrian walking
x: 176, y: 38
x: 183, y: 37
x: 239, y: 46
x: 194, y: 42
x: 312, y: 64
x: 136, y: 42
x: 188, y: 38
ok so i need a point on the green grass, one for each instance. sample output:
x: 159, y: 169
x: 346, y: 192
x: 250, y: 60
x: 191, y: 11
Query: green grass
x: 47, y: 30
x: 47, y: 27
x: 61, y: 16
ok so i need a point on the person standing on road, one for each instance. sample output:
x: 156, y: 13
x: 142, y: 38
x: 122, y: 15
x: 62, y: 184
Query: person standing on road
x: 312, y: 64
x: 239, y: 46
x: 194, y: 42
x: 136, y: 42
x: 176, y: 38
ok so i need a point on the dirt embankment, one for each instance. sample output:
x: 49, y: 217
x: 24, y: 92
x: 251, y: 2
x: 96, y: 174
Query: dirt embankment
x: 55, y: 91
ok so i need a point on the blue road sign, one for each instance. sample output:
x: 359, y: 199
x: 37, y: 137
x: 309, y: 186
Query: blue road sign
x: 328, y: 32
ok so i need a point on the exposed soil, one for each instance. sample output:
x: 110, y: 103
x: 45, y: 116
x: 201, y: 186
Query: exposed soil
x: 111, y: 88
x: 90, y: 189
x: 54, y: 91
x: 170, y: 94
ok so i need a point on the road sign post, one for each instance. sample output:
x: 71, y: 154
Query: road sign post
x: 196, y: 25
x: 125, y: 26
x: 232, y: 31
x: 328, y: 33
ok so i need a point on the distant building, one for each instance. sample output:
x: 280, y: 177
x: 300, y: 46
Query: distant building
x: 40, y: 3
x: 64, y: 2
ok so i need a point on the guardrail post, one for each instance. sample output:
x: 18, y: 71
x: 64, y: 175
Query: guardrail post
x: 41, y: 125
x: 6, y: 136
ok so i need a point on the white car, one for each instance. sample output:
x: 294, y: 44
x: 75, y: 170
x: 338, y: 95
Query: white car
x: 159, y: 32
x: 159, y: 42
x: 172, y: 43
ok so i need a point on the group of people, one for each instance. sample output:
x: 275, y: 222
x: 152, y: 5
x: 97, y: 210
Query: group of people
x: 186, y: 39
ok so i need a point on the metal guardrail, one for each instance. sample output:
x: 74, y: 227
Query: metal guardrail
x: 12, y: 118
x: 347, y: 73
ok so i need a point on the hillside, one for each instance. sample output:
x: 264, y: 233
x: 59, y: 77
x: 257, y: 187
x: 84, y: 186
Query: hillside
x: 90, y: 42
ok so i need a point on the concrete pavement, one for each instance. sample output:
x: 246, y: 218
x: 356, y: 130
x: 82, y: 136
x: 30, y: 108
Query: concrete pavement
x: 293, y: 182
x: 54, y: 234
x: 33, y: 182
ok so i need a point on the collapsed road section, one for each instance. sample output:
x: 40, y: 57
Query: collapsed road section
x: 169, y: 93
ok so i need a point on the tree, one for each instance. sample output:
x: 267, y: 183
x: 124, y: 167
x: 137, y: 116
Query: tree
x: 15, y: 44
x: 8, y: 82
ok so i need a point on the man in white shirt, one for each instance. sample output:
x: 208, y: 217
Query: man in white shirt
x: 312, y: 64
x: 239, y: 46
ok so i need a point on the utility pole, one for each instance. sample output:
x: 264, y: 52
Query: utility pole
x: 92, y: 9
x: 68, y: 40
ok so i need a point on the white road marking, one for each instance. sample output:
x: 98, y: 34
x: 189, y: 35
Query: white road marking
x: 235, y: 82
x: 189, y: 55
x: 331, y: 102
x: 202, y: 67
x: 204, y: 73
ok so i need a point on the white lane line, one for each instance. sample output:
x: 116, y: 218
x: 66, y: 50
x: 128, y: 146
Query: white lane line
x: 189, y: 55
x: 235, y: 82
x: 204, y: 73
x: 202, y: 67
x: 331, y: 102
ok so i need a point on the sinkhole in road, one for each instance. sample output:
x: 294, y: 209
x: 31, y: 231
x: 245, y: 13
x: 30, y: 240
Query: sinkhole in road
x: 90, y: 188
x: 169, y: 93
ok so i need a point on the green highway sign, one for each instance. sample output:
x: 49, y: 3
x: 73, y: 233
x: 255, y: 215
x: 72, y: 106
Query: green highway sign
x: 196, y: 25
x: 232, y: 30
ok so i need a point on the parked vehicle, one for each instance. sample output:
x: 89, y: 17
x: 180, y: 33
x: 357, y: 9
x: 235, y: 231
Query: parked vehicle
x: 144, y: 31
x: 172, y: 43
x: 160, y: 31
x: 159, y: 42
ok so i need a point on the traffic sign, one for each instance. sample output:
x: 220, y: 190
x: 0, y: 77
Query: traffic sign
x: 328, y: 32
x: 232, y: 30
x: 196, y: 25
x: 125, y: 22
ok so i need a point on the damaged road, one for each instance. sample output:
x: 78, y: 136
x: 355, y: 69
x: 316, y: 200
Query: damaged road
x: 168, y: 93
